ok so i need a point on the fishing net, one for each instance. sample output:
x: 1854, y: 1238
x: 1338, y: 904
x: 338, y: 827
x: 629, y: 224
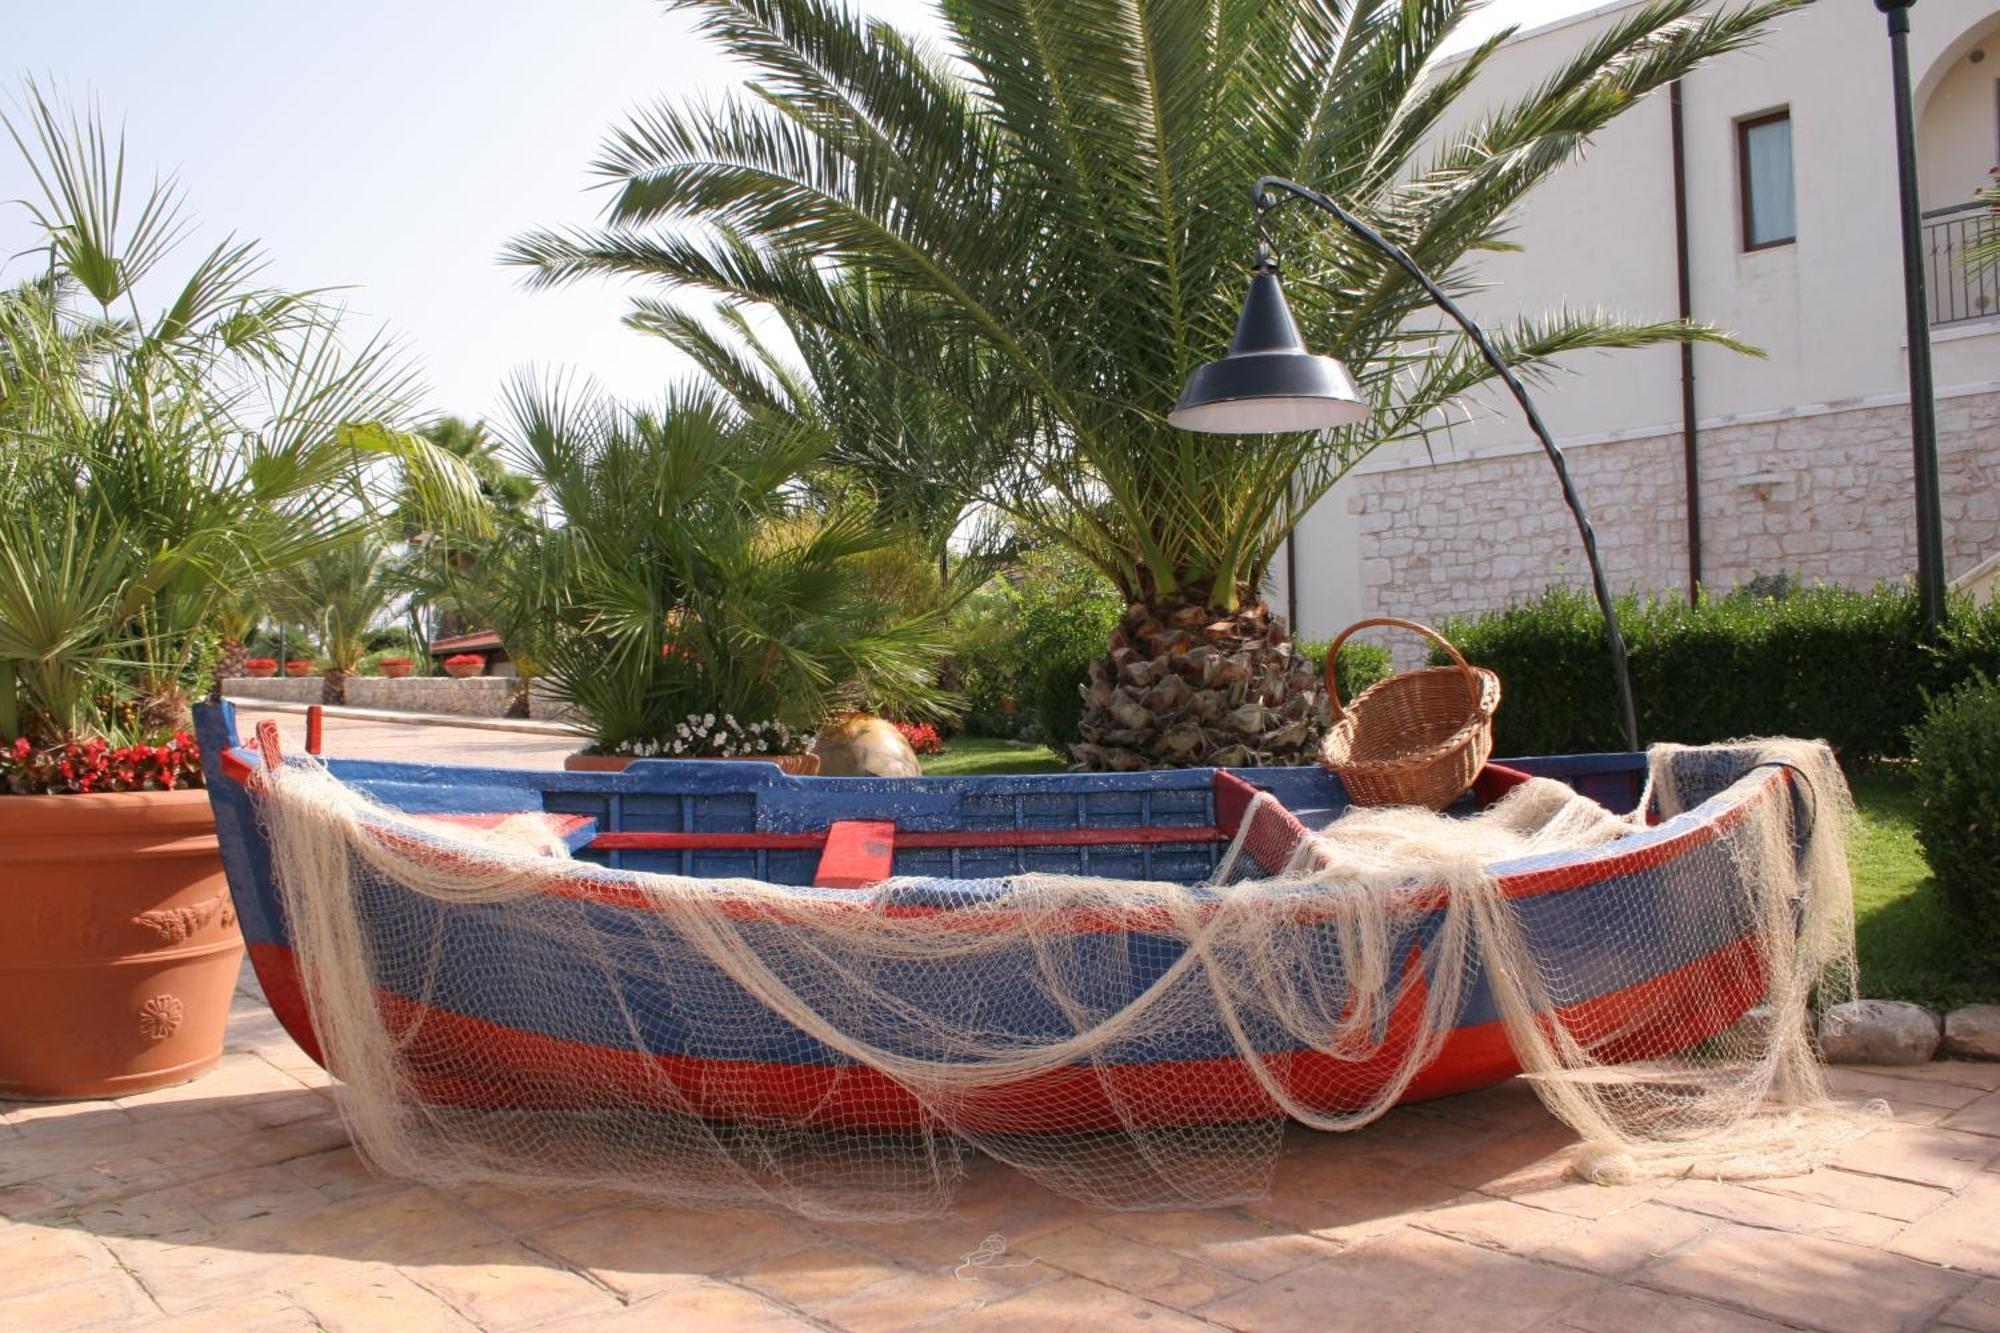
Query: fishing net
x: 495, y: 1011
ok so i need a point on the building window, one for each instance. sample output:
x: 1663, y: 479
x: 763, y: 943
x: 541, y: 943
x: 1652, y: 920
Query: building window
x: 1764, y: 162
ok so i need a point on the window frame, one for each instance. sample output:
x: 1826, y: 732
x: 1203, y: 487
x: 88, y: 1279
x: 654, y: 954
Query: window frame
x: 1743, y: 183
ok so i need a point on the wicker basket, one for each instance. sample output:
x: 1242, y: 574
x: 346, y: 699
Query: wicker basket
x: 1418, y: 738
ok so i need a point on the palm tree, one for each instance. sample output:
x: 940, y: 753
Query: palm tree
x: 691, y: 573
x: 1059, y: 188
x: 155, y: 464
x: 342, y: 593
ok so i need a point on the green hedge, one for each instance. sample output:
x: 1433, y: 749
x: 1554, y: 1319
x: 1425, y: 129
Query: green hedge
x: 1852, y: 668
x: 1957, y: 749
x: 1361, y: 664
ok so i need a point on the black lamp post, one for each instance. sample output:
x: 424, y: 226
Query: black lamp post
x: 1269, y: 383
x: 1916, y: 312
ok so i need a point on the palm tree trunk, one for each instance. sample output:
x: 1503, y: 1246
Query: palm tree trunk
x: 1187, y: 685
x: 333, y: 688
x: 235, y: 654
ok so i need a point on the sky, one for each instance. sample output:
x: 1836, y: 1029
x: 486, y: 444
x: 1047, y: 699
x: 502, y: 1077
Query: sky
x: 392, y: 147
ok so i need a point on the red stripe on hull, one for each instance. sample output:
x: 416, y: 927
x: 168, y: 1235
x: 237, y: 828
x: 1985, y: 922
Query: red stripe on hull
x: 464, y: 1061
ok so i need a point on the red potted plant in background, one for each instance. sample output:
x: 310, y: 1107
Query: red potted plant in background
x: 299, y: 666
x: 262, y: 667
x: 463, y: 665
x: 394, y: 667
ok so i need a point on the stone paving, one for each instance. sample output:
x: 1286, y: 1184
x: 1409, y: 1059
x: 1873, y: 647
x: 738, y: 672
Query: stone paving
x: 236, y: 1203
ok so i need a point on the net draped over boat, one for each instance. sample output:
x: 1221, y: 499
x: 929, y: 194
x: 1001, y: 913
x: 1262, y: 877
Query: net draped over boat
x: 1049, y: 1020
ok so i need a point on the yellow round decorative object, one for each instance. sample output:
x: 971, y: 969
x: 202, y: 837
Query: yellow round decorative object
x: 859, y: 745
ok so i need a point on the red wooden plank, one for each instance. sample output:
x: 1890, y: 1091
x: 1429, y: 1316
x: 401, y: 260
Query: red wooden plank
x: 1066, y: 837
x: 635, y: 842
x: 858, y: 852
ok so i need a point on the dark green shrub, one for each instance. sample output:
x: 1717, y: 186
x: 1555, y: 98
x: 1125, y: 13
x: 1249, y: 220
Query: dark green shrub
x: 1063, y: 614
x: 1360, y: 665
x: 1957, y: 751
x: 1848, y: 667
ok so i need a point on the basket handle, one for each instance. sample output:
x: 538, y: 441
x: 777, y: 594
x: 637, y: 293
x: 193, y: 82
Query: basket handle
x: 1333, y: 658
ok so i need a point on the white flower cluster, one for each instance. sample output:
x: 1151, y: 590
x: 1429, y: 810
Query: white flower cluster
x: 704, y: 735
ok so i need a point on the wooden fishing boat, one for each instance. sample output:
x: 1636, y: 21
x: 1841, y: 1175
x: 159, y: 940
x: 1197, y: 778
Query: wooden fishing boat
x: 1654, y: 933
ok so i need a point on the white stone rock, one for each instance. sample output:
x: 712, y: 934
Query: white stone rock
x: 1879, y: 1032
x: 1973, y: 1032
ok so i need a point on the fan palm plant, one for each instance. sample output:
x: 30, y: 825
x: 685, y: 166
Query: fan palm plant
x: 158, y: 464
x: 343, y: 592
x: 690, y: 573
x: 1059, y: 189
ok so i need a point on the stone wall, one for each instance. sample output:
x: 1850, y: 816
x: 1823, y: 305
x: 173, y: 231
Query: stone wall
x: 1827, y: 497
x: 282, y: 689
x: 476, y: 696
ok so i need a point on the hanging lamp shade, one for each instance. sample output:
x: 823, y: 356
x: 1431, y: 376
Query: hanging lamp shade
x: 1268, y: 383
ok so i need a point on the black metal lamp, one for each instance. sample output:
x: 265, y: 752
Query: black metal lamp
x: 1269, y: 383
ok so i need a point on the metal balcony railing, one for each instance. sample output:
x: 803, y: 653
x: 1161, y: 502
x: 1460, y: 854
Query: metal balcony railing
x: 1957, y: 293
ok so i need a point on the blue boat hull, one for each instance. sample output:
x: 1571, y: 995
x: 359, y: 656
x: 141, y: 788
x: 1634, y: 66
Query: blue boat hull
x: 1653, y: 938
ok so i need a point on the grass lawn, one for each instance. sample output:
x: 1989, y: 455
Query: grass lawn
x: 1910, y: 949
x: 983, y: 756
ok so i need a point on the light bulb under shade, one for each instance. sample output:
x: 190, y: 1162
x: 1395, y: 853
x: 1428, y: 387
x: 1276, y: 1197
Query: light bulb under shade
x: 1269, y: 393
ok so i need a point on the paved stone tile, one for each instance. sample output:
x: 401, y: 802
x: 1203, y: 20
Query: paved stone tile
x: 1750, y: 1207
x: 1857, y: 1193
x: 339, y: 1173
x: 1612, y: 1245
x: 1163, y: 1276
x: 1981, y: 1117
x: 1972, y: 1073
x: 1409, y: 1279
x: 505, y: 1286
x: 1977, y: 1310
x: 689, y: 1303
x: 260, y: 1314
x: 1344, y: 1201
x: 33, y: 1257
x: 168, y: 1212
x: 1964, y: 1233
x: 1830, y: 1284
x: 18, y: 1202
x: 113, y: 1300
x: 927, y: 1299
x: 1937, y: 1156
x: 1623, y: 1309
x: 638, y: 1251
x: 813, y: 1276
x: 1077, y: 1305
x: 1232, y: 1239
x: 370, y: 1298
x: 411, y: 1223
x: 1902, y: 1093
x: 521, y: 1211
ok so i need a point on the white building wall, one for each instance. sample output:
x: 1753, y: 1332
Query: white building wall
x: 1804, y: 453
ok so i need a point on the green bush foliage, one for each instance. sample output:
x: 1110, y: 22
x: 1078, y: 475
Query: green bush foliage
x: 1848, y: 667
x: 1957, y: 749
x: 1063, y: 614
x: 1361, y: 664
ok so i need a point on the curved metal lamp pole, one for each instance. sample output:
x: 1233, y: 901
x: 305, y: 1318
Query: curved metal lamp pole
x: 1273, y: 385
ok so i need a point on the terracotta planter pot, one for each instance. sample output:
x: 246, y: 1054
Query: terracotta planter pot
x: 395, y: 670
x: 120, y: 949
x: 464, y: 670
x: 300, y: 667
x: 263, y: 672
x: 801, y: 765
